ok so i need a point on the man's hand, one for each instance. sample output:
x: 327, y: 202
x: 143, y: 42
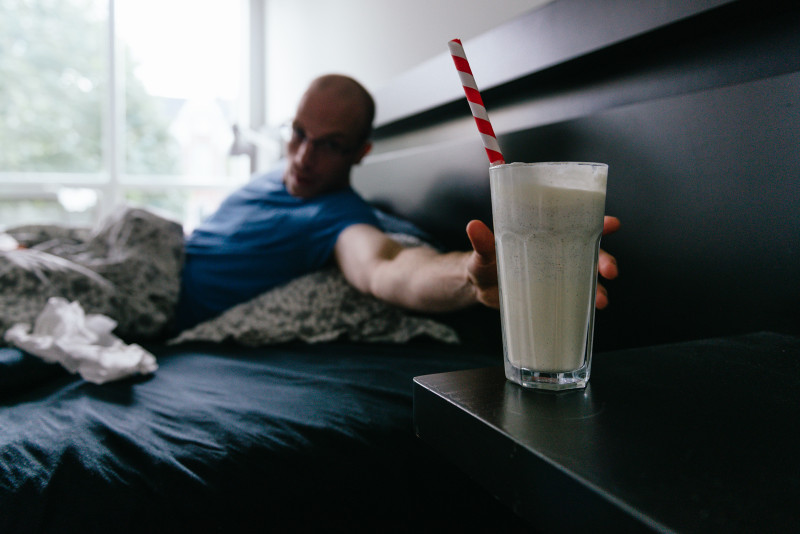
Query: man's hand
x: 482, y: 264
x: 606, y: 263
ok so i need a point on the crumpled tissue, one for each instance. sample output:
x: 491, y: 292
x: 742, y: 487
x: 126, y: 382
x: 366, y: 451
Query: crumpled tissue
x: 81, y: 343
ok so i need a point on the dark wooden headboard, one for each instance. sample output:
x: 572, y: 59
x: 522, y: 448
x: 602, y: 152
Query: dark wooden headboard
x: 695, y: 106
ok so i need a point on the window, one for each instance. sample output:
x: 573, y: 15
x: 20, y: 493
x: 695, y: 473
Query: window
x: 106, y: 101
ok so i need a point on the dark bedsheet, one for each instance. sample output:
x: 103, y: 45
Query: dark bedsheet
x: 226, y: 438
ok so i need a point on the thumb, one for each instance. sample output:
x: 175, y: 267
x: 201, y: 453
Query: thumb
x: 482, y: 240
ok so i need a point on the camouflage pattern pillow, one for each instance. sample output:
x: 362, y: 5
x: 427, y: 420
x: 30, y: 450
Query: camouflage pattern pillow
x: 318, y: 307
x: 127, y: 268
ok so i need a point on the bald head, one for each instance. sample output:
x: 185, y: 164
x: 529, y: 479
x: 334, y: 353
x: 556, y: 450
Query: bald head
x: 344, y: 91
x: 330, y: 134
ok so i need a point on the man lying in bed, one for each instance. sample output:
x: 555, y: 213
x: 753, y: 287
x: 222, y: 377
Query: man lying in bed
x: 292, y: 221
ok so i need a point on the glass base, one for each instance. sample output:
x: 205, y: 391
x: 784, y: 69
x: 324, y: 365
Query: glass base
x: 554, y: 381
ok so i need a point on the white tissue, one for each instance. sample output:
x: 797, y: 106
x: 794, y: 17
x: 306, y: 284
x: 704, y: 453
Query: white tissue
x: 82, y: 343
x: 7, y: 243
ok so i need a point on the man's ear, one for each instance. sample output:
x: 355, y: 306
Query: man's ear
x: 363, y: 151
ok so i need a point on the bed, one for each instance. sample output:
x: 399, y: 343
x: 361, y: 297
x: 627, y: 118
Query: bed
x: 695, y: 106
x: 228, y: 439
x: 291, y: 411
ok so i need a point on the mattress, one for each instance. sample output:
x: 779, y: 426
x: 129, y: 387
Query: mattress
x: 224, y: 437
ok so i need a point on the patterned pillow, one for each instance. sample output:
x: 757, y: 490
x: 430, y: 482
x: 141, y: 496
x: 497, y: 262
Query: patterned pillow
x: 317, y: 307
x: 127, y: 268
x: 29, y: 277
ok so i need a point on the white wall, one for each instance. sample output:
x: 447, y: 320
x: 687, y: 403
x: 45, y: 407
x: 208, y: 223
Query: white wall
x: 371, y: 40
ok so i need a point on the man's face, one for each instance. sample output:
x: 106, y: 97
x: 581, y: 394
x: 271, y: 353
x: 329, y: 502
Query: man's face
x: 325, y: 143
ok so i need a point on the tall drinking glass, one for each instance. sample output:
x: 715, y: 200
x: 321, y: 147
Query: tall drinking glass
x: 548, y: 220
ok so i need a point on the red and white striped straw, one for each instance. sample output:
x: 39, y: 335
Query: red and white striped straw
x: 476, y: 102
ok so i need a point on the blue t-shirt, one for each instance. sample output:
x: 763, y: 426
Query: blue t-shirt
x: 259, y: 238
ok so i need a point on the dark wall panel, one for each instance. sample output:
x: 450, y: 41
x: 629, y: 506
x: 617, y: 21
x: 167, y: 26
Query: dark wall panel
x: 699, y: 121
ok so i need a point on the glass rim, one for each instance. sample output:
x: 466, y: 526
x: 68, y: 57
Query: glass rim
x: 548, y: 163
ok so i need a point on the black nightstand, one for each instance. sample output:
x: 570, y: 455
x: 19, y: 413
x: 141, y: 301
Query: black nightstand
x: 692, y: 437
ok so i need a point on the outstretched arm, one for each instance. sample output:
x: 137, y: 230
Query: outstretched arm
x: 420, y: 278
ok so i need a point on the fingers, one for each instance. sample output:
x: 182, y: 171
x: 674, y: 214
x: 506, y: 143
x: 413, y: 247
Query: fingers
x: 610, y: 224
x: 601, y: 298
x: 607, y: 265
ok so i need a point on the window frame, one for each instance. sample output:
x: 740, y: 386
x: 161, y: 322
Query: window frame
x: 109, y: 182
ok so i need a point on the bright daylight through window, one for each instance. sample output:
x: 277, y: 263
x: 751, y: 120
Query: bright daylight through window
x: 109, y: 101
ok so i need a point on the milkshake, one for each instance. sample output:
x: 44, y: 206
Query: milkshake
x: 548, y: 219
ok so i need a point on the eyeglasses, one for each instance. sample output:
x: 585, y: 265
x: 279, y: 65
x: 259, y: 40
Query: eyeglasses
x: 295, y: 136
